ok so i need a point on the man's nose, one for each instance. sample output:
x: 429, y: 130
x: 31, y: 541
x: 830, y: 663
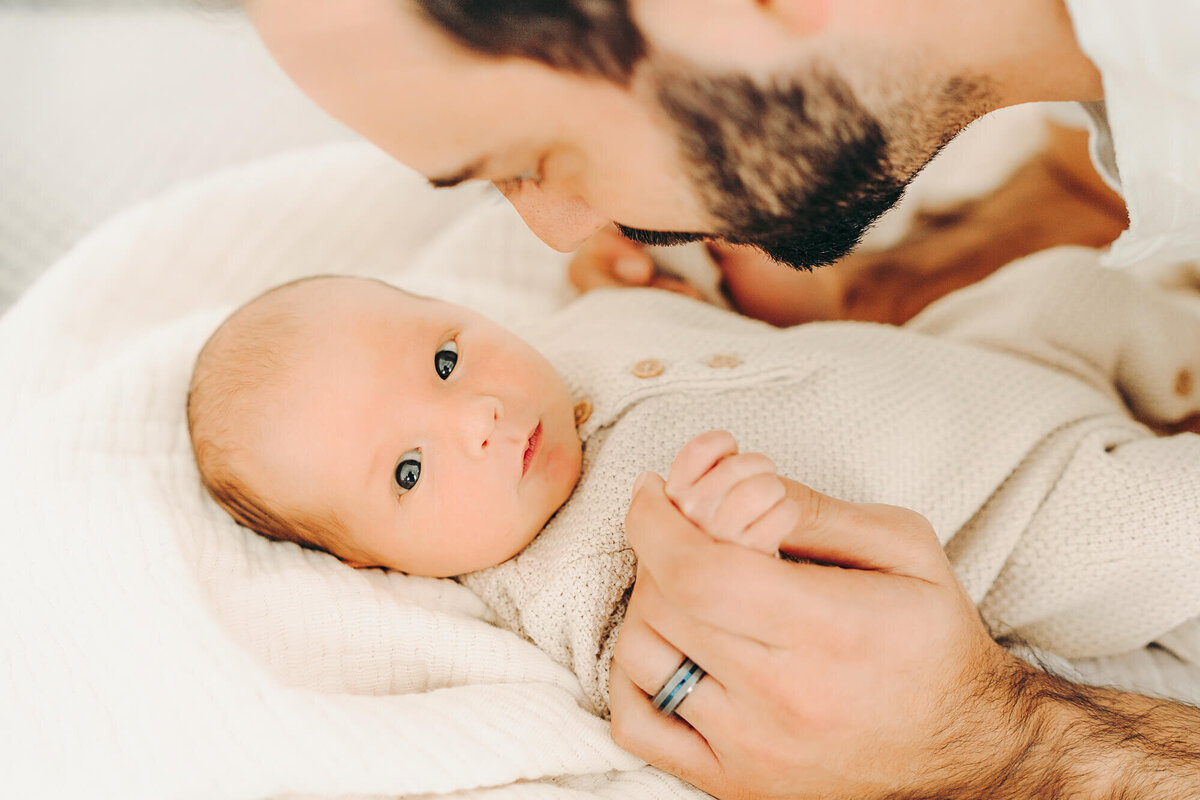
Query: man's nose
x: 563, y: 221
x: 477, y: 423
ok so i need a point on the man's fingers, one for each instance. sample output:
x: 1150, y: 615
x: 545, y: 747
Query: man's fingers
x: 651, y: 661
x: 862, y: 535
x: 668, y: 743
x: 718, y: 636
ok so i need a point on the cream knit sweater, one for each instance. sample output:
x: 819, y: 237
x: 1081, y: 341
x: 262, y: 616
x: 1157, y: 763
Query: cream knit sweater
x: 999, y: 413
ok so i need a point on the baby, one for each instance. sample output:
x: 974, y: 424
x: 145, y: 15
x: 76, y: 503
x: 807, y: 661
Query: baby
x: 398, y: 431
x: 403, y: 432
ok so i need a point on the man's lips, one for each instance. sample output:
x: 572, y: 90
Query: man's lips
x: 531, y: 448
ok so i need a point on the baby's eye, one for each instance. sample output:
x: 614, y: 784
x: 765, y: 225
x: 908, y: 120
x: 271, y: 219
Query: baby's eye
x: 408, y: 471
x: 445, y: 359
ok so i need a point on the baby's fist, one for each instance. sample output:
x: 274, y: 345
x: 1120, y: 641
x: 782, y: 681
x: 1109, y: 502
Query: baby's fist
x: 735, y: 497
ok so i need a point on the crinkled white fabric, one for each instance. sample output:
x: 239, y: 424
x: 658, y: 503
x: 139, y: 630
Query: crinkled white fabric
x: 1147, y: 56
x: 152, y: 649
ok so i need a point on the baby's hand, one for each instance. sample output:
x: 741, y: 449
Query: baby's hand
x: 735, y: 497
x: 608, y: 259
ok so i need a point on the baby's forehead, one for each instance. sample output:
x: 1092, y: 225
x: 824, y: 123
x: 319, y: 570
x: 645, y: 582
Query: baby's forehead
x: 354, y: 312
x: 298, y: 326
x: 333, y: 291
x: 326, y: 303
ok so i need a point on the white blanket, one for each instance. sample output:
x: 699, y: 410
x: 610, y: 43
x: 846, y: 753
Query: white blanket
x: 154, y: 649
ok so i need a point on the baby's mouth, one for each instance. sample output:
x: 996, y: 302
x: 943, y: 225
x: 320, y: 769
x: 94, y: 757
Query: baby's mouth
x: 531, y: 448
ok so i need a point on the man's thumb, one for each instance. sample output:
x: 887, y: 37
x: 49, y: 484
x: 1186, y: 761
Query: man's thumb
x: 645, y: 479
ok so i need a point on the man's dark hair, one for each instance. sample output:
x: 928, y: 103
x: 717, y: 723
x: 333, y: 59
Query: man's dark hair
x: 596, y: 38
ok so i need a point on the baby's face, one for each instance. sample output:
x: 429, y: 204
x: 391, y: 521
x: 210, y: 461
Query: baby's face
x: 440, y: 442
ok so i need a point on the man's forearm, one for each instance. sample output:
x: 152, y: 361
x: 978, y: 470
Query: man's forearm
x: 1070, y: 741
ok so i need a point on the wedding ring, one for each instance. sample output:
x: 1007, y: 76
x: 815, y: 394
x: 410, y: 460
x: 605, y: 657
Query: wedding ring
x: 677, y: 687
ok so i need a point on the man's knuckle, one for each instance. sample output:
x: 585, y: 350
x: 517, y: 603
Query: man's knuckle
x: 810, y: 507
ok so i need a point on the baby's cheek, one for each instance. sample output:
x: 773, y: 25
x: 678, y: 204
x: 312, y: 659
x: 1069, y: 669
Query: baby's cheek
x: 494, y: 526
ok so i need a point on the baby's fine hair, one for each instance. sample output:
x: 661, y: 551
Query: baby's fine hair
x: 249, y: 352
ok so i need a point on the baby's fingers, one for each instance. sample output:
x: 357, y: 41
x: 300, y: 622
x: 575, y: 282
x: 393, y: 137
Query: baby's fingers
x: 769, y: 531
x: 677, y: 285
x: 695, y: 459
x: 744, y: 506
x: 610, y: 260
x: 700, y: 501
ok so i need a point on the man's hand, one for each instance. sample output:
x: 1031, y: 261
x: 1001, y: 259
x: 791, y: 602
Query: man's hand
x: 867, y: 674
x: 608, y: 259
x: 734, y: 497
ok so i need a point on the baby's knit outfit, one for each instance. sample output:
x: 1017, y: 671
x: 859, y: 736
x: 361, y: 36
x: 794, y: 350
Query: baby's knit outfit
x: 999, y: 413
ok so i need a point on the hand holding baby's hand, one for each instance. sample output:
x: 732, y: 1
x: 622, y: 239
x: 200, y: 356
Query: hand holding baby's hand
x: 735, y: 497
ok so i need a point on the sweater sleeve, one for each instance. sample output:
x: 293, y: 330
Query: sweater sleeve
x: 1125, y: 336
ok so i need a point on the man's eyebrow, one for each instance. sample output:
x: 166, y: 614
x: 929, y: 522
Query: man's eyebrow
x: 469, y: 172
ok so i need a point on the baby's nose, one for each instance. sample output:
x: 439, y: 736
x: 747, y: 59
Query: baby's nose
x: 479, y: 417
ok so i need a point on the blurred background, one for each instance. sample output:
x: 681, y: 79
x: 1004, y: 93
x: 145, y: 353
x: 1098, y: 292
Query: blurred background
x: 106, y: 103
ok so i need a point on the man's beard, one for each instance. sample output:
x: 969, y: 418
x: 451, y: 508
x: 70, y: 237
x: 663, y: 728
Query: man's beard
x: 798, y: 171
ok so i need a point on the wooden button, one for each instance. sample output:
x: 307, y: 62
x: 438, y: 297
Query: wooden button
x: 1183, y: 383
x: 724, y: 361
x: 583, y: 411
x: 648, y: 368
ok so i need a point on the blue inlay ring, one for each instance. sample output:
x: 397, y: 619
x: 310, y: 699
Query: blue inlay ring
x: 677, y: 687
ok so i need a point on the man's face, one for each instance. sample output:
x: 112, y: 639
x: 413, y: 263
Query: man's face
x: 601, y: 153
x: 682, y: 153
x: 439, y: 442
